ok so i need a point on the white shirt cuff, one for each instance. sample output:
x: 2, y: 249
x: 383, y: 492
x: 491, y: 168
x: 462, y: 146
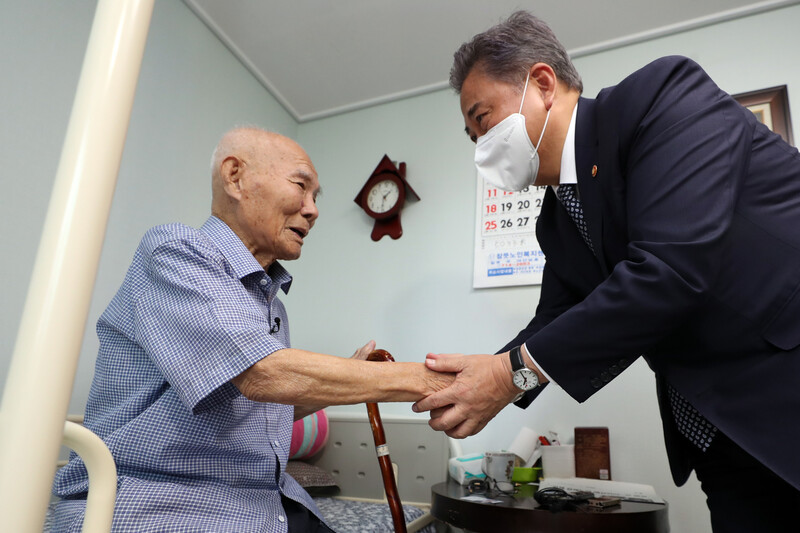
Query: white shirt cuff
x: 538, y: 366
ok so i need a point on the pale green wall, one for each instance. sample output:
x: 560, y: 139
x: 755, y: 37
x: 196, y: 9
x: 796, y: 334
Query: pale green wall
x: 191, y: 89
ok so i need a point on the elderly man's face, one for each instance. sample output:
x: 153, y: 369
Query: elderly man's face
x: 278, y: 201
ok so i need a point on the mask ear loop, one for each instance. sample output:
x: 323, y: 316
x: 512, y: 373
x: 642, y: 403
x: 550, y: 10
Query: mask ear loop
x: 524, y: 92
x: 546, y: 118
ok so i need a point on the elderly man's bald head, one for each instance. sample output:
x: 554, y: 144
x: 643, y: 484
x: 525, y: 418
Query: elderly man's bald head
x: 264, y: 187
x: 248, y: 143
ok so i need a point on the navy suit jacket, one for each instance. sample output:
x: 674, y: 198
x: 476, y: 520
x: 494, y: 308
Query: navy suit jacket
x: 694, y: 215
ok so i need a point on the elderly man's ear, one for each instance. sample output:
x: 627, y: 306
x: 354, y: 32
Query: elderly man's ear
x: 231, y: 171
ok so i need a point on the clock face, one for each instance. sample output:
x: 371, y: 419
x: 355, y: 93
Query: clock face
x: 525, y: 379
x: 383, y: 196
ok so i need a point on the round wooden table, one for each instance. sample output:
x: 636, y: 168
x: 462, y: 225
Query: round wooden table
x: 521, y: 512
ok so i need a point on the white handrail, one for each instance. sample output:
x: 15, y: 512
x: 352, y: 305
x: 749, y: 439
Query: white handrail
x: 42, y: 371
x: 102, y: 476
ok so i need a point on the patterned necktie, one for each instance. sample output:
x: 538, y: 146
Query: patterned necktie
x: 690, y: 422
x: 567, y: 195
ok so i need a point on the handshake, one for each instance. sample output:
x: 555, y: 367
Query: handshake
x: 462, y: 393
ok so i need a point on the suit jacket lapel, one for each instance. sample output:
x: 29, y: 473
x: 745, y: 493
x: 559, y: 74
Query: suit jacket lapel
x: 590, y: 176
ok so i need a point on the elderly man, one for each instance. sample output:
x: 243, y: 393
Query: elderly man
x: 196, y: 385
x: 670, y: 231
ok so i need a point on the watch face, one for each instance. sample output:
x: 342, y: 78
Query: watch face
x: 525, y: 379
x: 383, y: 196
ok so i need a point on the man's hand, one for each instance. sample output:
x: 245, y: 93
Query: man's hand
x: 481, y: 389
x: 363, y: 352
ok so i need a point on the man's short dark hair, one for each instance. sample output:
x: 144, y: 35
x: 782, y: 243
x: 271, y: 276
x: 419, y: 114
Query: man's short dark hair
x: 508, y: 50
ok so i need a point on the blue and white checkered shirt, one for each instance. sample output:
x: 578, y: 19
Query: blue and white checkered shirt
x: 192, y: 453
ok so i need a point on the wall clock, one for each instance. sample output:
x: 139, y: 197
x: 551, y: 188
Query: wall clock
x: 382, y: 197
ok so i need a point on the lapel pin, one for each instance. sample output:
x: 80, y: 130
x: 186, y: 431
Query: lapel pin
x: 594, y: 170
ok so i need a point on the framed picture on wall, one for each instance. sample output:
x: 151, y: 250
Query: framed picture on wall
x: 771, y: 107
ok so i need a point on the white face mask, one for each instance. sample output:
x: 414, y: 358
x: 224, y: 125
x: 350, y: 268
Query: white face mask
x: 505, y: 156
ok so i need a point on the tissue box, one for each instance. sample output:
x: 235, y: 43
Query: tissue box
x: 466, y: 468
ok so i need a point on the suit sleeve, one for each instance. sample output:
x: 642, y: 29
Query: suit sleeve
x: 683, y: 151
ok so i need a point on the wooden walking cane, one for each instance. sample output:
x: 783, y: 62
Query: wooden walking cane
x: 389, y: 483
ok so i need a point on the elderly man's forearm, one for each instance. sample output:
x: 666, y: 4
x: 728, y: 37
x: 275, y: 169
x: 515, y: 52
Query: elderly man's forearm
x: 301, y: 378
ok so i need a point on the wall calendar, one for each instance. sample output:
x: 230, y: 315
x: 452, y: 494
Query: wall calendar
x: 506, y: 250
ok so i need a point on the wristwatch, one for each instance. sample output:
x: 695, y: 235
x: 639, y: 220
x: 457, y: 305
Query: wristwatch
x: 524, y: 378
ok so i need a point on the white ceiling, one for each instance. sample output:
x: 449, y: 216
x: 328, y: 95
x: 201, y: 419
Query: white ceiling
x: 323, y: 57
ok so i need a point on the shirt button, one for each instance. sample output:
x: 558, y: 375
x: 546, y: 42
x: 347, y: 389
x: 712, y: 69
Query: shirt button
x: 281, y: 518
x: 276, y: 443
x: 263, y: 281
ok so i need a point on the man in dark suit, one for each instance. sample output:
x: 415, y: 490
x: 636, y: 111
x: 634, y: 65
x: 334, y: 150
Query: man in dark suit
x: 671, y: 231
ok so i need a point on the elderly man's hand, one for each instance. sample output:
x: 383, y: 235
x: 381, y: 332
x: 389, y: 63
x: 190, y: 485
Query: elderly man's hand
x: 428, y: 380
x: 481, y: 389
x: 363, y: 352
